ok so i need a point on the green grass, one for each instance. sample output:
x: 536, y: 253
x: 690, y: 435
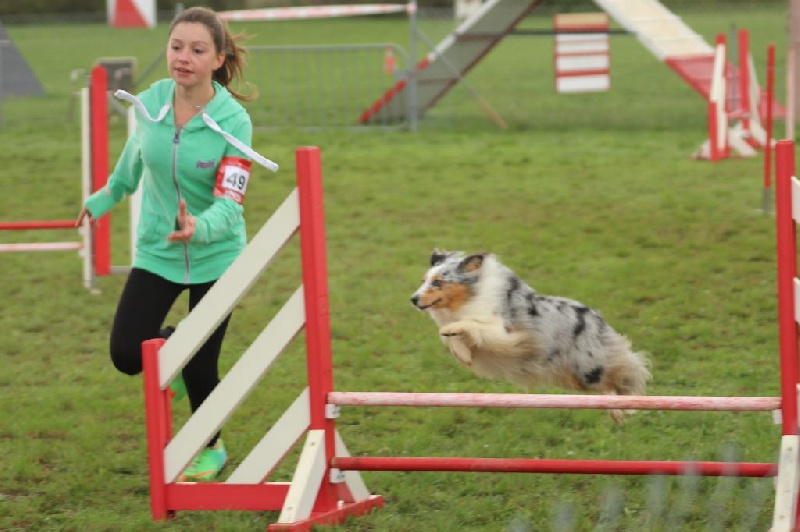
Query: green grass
x: 588, y: 196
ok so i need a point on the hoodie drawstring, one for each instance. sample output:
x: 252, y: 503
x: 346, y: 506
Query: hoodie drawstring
x: 233, y: 141
x: 239, y: 145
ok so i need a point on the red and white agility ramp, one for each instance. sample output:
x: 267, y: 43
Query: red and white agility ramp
x: 326, y: 486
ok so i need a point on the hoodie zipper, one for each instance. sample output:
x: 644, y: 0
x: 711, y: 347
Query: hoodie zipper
x: 178, y: 191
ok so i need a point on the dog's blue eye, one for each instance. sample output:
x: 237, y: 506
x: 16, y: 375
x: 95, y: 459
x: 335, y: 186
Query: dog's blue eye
x: 437, y: 283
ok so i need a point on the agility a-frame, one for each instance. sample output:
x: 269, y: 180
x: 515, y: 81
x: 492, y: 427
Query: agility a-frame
x: 16, y: 77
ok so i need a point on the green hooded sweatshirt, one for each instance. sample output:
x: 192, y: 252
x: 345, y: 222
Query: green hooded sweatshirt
x: 181, y: 164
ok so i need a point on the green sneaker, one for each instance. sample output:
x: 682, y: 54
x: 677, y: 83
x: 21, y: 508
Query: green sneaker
x: 177, y: 388
x: 206, y: 466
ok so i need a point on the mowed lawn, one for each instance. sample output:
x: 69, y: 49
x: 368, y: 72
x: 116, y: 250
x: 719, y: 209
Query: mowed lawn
x: 593, y: 197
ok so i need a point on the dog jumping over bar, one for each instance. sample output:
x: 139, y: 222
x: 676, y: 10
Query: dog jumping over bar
x: 501, y: 328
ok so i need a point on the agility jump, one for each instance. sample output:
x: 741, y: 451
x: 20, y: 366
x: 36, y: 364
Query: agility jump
x: 94, y: 245
x: 326, y: 487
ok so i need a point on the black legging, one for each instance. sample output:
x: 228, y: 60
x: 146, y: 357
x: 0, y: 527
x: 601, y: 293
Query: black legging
x: 143, y: 306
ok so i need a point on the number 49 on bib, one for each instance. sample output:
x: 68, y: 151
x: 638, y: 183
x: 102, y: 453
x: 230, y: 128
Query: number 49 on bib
x: 232, y: 176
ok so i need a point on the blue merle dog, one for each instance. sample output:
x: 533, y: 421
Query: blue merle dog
x: 500, y: 328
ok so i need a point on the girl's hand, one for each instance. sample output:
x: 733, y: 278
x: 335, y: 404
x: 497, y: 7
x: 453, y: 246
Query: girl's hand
x: 186, y: 224
x: 82, y: 215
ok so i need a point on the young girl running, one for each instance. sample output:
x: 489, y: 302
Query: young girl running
x: 191, y: 152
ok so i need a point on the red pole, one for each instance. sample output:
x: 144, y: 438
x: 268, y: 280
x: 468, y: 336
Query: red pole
x: 24, y: 226
x: 533, y: 465
x: 99, y: 135
x: 787, y: 271
x: 315, y: 294
x: 156, y: 402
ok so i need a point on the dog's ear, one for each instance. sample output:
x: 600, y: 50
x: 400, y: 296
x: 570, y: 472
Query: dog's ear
x: 438, y: 256
x: 472, y: 263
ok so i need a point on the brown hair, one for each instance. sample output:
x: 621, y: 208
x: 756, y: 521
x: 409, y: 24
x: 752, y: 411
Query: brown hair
x: 224, y: 42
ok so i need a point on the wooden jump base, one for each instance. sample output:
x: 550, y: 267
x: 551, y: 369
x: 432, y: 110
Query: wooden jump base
x: 326, y: 487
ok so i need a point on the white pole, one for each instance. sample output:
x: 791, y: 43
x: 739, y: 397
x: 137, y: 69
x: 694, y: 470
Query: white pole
x: 517, y: 400
x: 86, y: 183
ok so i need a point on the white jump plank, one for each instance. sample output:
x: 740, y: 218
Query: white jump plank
x: 594, y: 83
x: 232, y: 390
x: 201, y: 323
x: 306, y: 480
x: 280, y: 439
x: 796, y: 283
x: 786, y: 485
x: 795, y: 199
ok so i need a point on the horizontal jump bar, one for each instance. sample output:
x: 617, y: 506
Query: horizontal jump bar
x: 534, y: 465
x: 46, y: 224
x: 510, y: 400
x: 477, y: 36
x: 575, y: 31
x: 41, y: 246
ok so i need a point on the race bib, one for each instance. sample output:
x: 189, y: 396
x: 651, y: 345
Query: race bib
x: 232, y: 176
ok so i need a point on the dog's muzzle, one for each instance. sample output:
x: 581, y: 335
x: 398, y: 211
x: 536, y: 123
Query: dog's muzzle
x: 415, y: 302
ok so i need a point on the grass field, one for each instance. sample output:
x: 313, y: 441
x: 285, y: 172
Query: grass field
x: 593, y: 197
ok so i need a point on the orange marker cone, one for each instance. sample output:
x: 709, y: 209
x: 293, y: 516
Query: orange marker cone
x: 388, y: 62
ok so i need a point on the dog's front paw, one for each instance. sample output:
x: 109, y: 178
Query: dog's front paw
x: 452, y: 329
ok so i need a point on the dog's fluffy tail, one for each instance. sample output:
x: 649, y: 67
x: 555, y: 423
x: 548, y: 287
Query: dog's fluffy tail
x: 629, y: 374
x: 630, y: 377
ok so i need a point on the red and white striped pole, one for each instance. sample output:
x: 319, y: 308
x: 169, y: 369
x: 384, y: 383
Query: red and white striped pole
x: 717, y: 104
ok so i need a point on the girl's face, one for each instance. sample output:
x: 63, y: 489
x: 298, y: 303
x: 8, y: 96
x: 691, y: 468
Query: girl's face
x: 191, y: 55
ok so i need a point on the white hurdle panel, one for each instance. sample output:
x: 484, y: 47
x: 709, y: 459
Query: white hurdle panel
x: 582, y: 53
